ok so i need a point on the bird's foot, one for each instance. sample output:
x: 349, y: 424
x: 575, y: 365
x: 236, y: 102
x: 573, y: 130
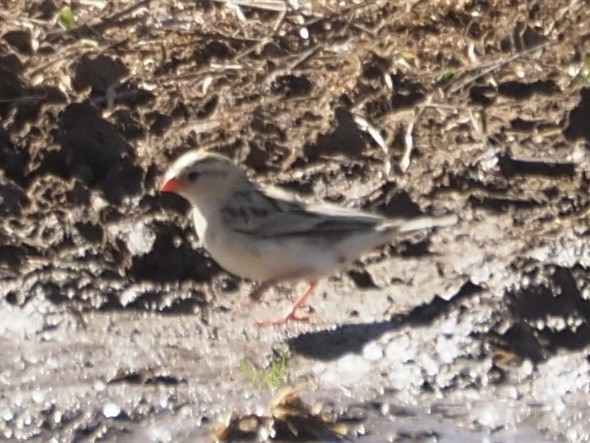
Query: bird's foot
x: 291, y: 316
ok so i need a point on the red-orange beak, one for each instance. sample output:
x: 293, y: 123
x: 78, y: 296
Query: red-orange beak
x: 170, y: 185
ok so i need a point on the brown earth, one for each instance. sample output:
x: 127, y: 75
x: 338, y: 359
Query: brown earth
x: 115, y: 325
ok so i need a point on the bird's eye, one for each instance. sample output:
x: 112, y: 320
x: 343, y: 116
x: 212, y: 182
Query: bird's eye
x: 192, y: 176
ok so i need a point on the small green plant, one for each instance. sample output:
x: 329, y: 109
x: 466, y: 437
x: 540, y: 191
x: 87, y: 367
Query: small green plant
x: 446, y: 76
x: 584, y: 74
x: 66, y: 18
x: 274, y: 376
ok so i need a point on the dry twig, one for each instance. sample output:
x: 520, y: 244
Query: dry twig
x: 486, y: 68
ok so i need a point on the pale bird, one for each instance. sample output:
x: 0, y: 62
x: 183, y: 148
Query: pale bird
x: 255, y: 234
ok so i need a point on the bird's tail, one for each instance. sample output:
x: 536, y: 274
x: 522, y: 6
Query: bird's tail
x: 420, y: 223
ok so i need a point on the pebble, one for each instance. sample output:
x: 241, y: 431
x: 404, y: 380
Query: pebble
x: 447, y: 349
x: 406, y: 376
x: 372, y: 352
x: 7, y: 414
x: 38, y: 397
x: 111, y: 410
x: 348, y: 370
x: 488, y: 416
x: 399, y: 349
x: 429, y: 365
x: 128, y: 296
x: 141, y: 239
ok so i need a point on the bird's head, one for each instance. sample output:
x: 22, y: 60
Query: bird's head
x: 198, y: 176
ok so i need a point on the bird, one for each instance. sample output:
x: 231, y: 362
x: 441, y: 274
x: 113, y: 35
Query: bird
x: 271, y: 237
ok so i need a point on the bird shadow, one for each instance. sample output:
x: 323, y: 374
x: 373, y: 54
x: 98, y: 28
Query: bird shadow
x: 332, y: 344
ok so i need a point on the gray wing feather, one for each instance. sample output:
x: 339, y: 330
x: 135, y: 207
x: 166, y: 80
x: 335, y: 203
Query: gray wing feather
x: 266, y: 217
x: 259, y: 215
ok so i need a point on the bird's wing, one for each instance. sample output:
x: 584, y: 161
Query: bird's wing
x: 263, y: 216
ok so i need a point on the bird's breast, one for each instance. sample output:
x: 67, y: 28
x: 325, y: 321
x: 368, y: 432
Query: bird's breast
x: 238, y: 254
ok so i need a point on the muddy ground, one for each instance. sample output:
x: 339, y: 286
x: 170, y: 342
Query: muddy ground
x: 116, y: 325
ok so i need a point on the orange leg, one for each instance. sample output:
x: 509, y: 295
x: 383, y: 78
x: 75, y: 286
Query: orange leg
x: 292, y: 314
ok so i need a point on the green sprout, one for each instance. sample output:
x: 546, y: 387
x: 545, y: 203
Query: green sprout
x: 584, y: 74
x: 446, y: 76
x: 66, y: 18
x: 274, y: 376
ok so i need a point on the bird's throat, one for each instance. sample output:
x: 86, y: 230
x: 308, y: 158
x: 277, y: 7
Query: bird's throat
x: 200, y: 223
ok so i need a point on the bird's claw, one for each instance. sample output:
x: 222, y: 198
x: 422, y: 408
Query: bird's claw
x: 291, y: 316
